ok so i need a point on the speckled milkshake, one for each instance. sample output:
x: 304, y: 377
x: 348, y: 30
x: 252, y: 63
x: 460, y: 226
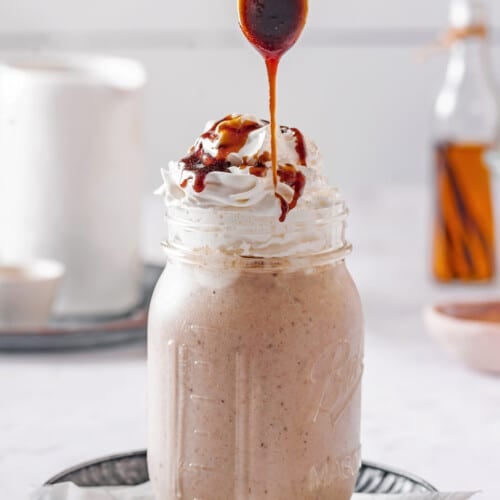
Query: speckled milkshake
x: 255, y: 333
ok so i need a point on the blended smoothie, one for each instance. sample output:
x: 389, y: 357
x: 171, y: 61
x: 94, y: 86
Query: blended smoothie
x: 255, y: 333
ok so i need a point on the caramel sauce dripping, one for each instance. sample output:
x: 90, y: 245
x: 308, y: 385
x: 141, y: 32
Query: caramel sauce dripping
x: 273, y: 27
x: 200, y: 164
x: 289, y: 175
x: 300, y: 146
x: 233, y: 133
x: 260, y: 167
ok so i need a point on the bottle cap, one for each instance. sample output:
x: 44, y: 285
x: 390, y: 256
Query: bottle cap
x: 467, y: 13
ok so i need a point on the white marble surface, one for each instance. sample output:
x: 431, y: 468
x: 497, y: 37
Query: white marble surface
x: 422, y: 412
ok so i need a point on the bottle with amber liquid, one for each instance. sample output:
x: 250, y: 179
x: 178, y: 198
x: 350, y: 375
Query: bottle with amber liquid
x: 467, y: 129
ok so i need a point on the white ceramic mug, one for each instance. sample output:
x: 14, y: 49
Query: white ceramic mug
x: 71, y: 169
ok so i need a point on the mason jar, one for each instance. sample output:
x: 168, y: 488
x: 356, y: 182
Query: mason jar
x: 255, y: 351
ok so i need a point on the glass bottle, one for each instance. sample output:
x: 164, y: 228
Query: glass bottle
x: 466, y: 128
x: 255, y: 363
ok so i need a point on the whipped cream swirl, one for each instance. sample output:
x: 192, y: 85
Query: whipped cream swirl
x: 240, y: 175
x: 227, y: 180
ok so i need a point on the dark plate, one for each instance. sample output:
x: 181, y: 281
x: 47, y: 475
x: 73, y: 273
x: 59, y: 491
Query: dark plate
x: 86, y: 332
x: 130, y: 469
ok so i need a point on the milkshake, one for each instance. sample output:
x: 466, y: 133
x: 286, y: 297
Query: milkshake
x: 255, y: 331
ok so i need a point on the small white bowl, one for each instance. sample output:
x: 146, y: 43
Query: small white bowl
x: 27, y: 292
x: 468, y: 331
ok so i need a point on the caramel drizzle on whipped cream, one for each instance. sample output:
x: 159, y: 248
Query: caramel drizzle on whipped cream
x: 233, y: 132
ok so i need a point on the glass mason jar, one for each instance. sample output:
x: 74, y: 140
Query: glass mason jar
x: 255, y: 363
